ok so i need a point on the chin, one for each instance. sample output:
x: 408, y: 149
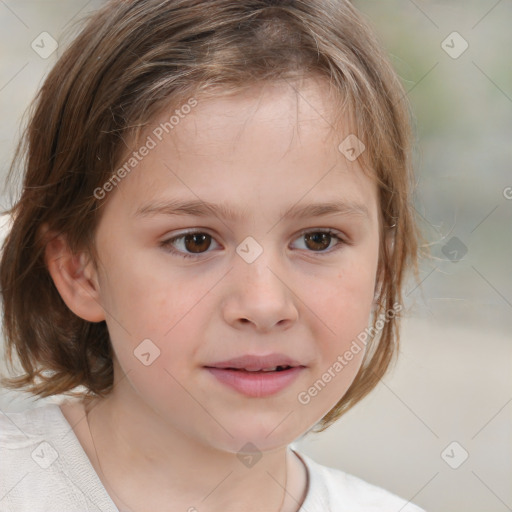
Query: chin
x: 251, y: 443
x: 258, y: 436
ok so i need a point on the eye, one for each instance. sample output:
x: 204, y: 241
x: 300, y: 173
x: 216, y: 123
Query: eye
x: 320, y: 240
x: 195, y: 243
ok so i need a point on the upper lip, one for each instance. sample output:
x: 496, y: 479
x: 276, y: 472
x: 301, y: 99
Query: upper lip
x: 255, y: 362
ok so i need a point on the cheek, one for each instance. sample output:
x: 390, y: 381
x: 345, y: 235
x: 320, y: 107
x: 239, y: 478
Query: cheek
x: 156, y: 317
x: 144, y: 299
x: 345, y: 311
x: 349, y: 299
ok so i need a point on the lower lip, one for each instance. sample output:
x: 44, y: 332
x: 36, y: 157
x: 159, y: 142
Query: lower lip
x: 256, y: 384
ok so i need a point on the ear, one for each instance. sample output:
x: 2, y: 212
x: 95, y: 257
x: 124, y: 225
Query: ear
x: 74, y: 276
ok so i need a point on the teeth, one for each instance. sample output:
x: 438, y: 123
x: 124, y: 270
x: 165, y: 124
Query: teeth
x: 272, y: 369
x: 263, y: 370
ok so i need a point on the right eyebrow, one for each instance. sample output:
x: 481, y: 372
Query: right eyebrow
x: 179, y: 207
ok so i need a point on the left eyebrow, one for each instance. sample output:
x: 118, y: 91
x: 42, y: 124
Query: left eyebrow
x: 180, y: 207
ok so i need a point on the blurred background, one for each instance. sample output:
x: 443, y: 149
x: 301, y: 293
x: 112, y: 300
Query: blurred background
x: 437, y: 430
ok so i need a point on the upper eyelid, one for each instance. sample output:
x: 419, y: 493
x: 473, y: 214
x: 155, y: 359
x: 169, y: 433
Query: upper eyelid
x: 333, y: 232
x: 206, y: 231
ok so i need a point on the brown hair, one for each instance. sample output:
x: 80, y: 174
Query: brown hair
x: 131, y: 59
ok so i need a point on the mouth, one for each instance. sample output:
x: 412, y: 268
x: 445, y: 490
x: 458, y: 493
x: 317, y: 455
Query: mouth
x: 257, y: 376
x: 258, y: 363
x: 280, y: 368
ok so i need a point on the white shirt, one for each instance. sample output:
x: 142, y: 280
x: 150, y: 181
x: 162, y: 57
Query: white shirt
x: 43, y: 468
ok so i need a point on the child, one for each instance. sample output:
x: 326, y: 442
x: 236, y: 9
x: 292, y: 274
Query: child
x: 211, y: 241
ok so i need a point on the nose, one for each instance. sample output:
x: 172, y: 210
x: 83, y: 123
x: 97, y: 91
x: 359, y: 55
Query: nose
x: 259, y: 296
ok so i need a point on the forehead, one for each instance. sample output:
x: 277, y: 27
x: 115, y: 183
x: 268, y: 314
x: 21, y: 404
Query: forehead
x: 268, y: 140
x: 292, y: 105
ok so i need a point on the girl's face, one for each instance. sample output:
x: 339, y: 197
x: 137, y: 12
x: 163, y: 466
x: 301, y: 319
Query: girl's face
x: 266, y: 274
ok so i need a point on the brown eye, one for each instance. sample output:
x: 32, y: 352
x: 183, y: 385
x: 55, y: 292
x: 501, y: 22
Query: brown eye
x: 194, y: 244
x: 197, y: 242
x: 188, y: 244
x: 318, y: 241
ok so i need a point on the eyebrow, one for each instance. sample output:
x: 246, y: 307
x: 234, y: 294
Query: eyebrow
x: 198, y: 208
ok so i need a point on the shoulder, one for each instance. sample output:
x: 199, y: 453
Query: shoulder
x: 336, y: 490
x: 24, y: 435
x: 18, y: 429
x: 26, y: 453
x: 44, y: 468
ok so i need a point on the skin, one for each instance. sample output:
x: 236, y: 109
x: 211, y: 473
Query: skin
x: 262, y: 152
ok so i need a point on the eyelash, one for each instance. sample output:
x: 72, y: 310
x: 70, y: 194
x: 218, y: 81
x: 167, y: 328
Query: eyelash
x: 168, y: 244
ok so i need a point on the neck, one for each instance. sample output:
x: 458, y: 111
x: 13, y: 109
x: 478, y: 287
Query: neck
x: 143, y: 472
